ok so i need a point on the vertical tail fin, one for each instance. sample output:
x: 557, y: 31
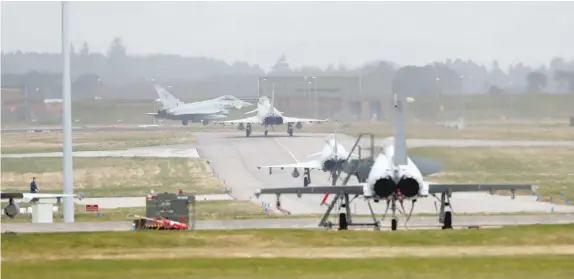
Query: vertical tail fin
x: 273, y: 98
x: 400, y: 154
x: 335, y: 136
x: 167, y: 100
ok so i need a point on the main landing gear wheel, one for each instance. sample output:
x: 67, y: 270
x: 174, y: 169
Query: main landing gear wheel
x: 343, y: 225
x: 306, y: 177
x: 248, y: 130
x: 184, y: 122
x: 447, y: 221
x: 265, y: 133
x: 290, y: 129
x: 394, y: 224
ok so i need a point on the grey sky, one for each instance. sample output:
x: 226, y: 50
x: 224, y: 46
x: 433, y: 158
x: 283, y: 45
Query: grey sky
x: 311, y: 33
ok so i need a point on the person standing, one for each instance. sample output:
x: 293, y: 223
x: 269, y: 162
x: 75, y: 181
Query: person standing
x: 33, y: 186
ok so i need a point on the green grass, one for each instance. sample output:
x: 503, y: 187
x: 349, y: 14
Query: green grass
x: 113, y: 176
x: 14, y: 246
x: 499, y: 130
x: 550, y: 168
x: 87, y: 141
x: 535, y: 267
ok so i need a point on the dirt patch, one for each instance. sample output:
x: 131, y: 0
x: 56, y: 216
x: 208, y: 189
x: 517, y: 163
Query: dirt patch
x: 341, y: 253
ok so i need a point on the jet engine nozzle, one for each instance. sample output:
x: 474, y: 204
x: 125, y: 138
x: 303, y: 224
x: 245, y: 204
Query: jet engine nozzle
x: 408, y: 186
x: 299, y: 125
x: 240, y: 127
x: 295, y: 173
x: 384, y: 186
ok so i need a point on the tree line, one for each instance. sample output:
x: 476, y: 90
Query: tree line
x: 92, y: 71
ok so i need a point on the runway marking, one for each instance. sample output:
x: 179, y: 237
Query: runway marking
x: 287, y: 149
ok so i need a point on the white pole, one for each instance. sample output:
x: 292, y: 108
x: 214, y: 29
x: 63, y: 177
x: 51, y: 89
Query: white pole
x: 67, y: 120
x: 316, y: 106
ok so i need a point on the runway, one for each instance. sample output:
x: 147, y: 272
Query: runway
x: 415, y: 223
x: 235, y: 158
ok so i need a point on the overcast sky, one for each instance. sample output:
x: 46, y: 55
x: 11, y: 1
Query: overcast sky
x: 310, y: 33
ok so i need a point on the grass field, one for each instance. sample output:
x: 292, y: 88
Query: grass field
x: 104, y: 140
x: 216, y: 243
x: 551, y: 168
x: 543, y: 251
x: 499, y: 130
x: 532, y: 267
x: 112, y: 176
x: 205, y: 210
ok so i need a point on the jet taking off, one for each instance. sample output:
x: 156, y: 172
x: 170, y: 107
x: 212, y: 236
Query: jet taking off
x: 203, y: 111
x: 393, y: 178
x: 332, y: 158
x: 268, y: 115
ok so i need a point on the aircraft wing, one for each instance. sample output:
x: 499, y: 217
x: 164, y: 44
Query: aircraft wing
x: 303, y: 165
x: 151, y: 113
x: 248, y: 120
x: 435, y: 188
x: 295, y: 120
x: 197, y: 110
x: 349, y: 189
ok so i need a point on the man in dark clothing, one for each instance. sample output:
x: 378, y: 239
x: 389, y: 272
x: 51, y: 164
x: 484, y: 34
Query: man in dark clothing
x: 33, y: 187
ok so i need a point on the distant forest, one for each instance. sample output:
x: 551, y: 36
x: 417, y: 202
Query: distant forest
x: 116, y: 68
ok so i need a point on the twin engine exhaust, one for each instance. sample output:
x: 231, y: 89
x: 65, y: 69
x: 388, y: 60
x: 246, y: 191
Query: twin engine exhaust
x: 406, y: 187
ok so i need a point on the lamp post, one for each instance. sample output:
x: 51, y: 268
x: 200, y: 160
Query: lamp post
x: 67, y: 120
x: 315, y: 97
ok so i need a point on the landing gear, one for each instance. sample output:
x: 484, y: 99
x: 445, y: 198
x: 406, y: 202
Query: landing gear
x: 447, y: 220
x: 343, y: 225
x: 290, y: 129
x: 265, y: 133
x: 248, y: 130
x: 306, y: 177
x: 445, y: 216
x: 184, y: 122
x: 394, y: 224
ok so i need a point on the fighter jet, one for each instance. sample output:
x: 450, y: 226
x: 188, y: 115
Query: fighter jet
x: 203, y: 111
x: 395, y: 178
x: 332, y: 158
x: 268, y: 115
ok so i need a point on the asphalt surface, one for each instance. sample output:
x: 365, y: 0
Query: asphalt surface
x: 46, y: 129
x: 164, y: 152
x: 415, y: 223
x: 235, y: 158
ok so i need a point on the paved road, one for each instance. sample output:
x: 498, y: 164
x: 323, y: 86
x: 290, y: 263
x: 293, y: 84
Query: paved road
x: 41, y: 129
x: 164, y: 152
x: 415, y: 223
x: 235, y: 159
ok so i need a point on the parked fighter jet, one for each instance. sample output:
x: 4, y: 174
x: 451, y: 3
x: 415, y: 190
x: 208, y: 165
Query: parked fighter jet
x: 203, y: 111
x: 332, y: 158
x: 268, y: 115
x: 395, y: 178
